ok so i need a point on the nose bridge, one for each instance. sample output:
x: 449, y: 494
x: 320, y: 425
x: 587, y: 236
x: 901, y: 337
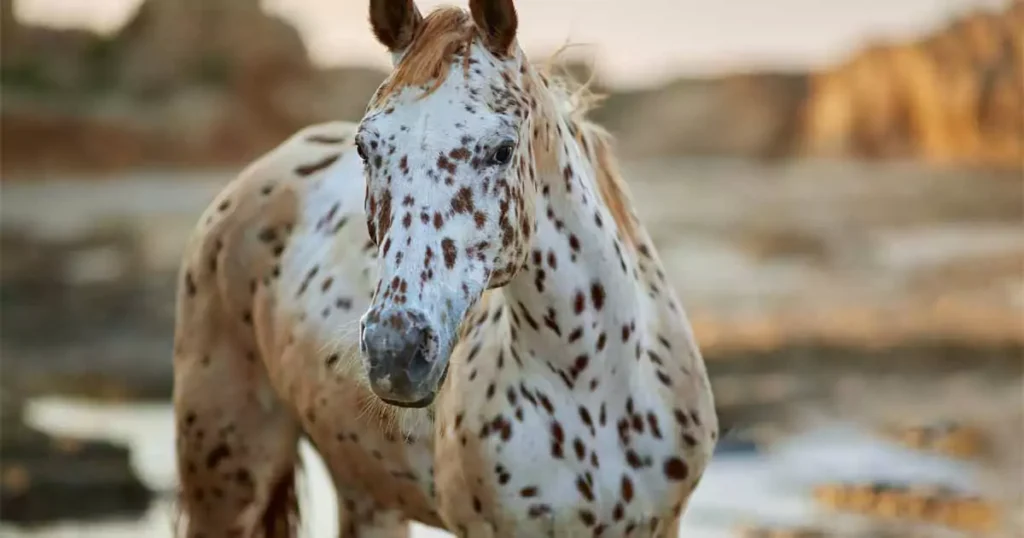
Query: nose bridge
x: 422, y: 258
x: 392, y: 293
x: 392, y: 319
x: 415, y: 257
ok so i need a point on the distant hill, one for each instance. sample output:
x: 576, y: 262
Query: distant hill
x: 217, y: 82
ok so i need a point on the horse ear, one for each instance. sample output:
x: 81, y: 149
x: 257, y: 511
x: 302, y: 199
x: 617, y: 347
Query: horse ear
x: 497, y: 20
x: 395, y: 23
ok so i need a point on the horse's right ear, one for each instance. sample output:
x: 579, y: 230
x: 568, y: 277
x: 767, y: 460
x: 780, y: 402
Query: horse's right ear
x: 395, y: 23
x: 497, y: 20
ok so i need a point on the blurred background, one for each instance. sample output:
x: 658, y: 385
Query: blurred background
x: 836, y: 187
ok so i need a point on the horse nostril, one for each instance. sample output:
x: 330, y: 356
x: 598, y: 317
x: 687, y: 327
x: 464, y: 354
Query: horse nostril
x: 401, y: 348
x: 421, y: 359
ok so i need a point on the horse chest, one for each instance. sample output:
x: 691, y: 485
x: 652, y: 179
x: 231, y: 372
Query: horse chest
x: 581, y: 467
x: 374, y: 461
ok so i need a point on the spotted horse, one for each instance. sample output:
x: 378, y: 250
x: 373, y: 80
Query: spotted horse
x: 453, y: 300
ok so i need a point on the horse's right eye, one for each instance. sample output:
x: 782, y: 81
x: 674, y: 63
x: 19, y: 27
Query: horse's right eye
x: 503, y: 154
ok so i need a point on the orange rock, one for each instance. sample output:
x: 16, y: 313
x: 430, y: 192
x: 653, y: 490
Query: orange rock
x: 953, y: 97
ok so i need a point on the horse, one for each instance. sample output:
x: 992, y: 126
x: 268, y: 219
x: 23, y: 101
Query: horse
x: 453, y: 300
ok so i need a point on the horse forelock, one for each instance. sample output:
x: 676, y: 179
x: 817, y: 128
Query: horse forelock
x: 427, y: 62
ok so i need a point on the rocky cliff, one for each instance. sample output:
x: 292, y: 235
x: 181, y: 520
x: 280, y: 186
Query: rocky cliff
x: 204, y: 82
x: 956, y: 96
x: 184, y: 83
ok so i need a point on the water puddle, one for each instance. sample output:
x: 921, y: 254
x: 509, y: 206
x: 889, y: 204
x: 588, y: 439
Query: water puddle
x: 739, y: 488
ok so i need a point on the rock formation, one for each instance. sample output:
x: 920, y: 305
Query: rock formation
x: 750, y: 115
x: 45, y: 479
x: 956, y: 96
x: 47, y: 60
x: 184, y: 83
x: 172, y: 43
x: 217, y: 82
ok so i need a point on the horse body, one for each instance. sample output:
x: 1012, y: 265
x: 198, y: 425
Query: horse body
x: 491, y: 284
x: 271, y: 287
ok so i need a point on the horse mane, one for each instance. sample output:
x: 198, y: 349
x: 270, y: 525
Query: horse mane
x: 572, y: 101
x: 576, y: 97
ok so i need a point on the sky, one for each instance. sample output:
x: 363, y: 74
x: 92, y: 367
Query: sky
x: 631, y: 42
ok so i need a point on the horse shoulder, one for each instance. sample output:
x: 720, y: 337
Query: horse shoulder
x: 238, y: 243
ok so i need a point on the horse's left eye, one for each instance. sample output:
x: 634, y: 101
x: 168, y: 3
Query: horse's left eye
x: 502, y: 154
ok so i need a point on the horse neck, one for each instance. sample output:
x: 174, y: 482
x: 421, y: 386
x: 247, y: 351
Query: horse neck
x: 576, y: 303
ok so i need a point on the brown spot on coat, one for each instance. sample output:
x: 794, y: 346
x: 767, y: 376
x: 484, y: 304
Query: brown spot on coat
x: 314, y: 167
x: 449, y: 252
x: 676, y: 469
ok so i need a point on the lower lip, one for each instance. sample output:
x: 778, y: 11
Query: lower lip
x: 411, y: 405
x: 424, y: 402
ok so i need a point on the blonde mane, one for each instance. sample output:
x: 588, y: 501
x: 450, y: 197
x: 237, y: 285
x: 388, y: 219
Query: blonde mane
x: 578, y: 97
x: 444, y: 33
x: 573, y: 100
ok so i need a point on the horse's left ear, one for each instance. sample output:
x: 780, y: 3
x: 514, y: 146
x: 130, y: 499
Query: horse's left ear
x: 497, y: 21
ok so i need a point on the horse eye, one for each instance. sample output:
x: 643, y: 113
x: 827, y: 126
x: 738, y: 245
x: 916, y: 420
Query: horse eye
x: 360, y: 150
x: 502, y: 154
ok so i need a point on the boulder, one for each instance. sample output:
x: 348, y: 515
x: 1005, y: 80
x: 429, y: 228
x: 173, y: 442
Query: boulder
x: 44, y: 479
